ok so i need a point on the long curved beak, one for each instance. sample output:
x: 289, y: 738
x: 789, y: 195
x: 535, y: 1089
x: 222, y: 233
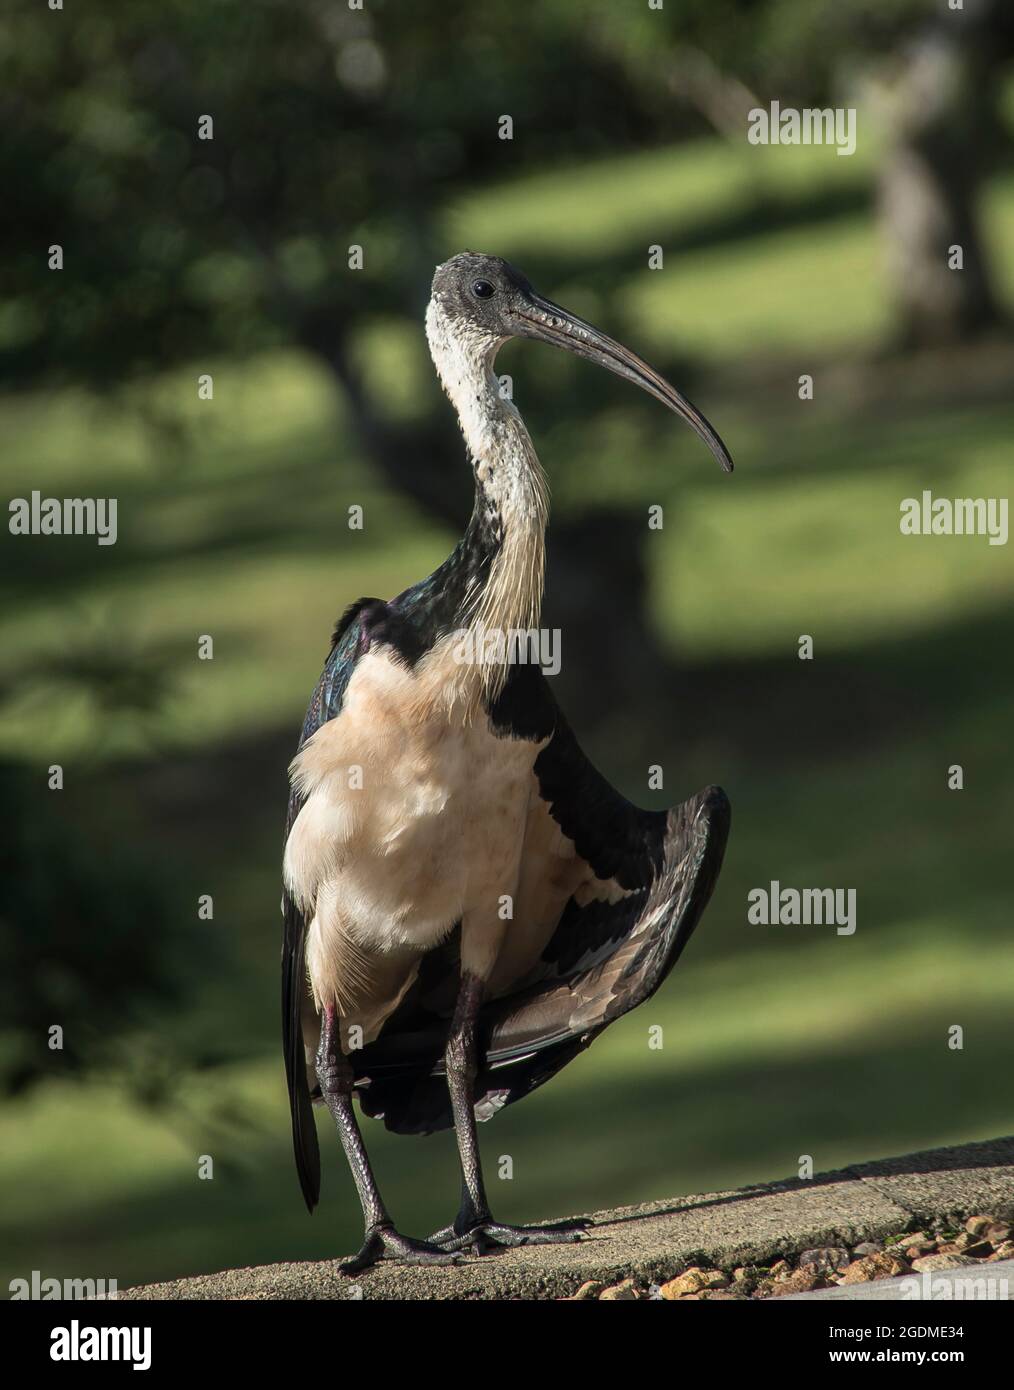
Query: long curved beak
x: 541, y: 318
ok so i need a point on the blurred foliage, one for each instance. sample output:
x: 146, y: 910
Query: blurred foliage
x: 333, y: 127
x: 89, y: 943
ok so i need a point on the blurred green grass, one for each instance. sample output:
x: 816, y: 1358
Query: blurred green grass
x: 779, y: 1041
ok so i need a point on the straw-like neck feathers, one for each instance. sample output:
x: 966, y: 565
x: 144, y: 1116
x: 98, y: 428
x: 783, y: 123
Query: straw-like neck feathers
x: 496, y: 572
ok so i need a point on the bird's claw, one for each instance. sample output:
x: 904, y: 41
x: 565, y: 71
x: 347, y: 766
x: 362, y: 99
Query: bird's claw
x: 496, y: 1235
x: 385, y: 1243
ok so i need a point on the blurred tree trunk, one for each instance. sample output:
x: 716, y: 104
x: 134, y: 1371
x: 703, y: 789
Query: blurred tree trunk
x: 418, y: 460
x: 940, y: 111
x: 597, y: 596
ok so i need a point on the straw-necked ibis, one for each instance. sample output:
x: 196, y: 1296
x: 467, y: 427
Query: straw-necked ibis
x: 429, y: 791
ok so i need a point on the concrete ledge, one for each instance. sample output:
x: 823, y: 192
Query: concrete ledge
x: 651, y: 1243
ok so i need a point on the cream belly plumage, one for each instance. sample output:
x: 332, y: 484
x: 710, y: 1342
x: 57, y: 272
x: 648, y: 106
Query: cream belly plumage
x: 413, y: 821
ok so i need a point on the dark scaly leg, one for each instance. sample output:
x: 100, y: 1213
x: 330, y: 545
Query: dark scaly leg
x: 381, y: 1241
x: 474, y: 1225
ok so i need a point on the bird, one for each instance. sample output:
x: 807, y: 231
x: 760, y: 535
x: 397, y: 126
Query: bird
x: 467, y: 902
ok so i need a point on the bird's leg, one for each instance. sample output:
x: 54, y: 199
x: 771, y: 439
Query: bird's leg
x: 474, y: 1226
x: 381, y: 1240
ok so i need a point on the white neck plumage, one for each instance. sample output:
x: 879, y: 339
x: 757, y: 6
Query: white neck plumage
x: 510, y: 483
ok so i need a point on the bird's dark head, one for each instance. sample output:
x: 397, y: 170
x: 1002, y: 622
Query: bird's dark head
x: 483, y: 292
x: 485, y: 301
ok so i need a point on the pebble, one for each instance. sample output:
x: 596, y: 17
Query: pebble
x: 619, y: 1293
x: 928, y: 1264
x: 686, y: 1283
x: 799, y: 1281
x: 925, y: 1245
x: 966, y: 1245
x: 968, y: 1242
x: 881, y: 1266
x: 825, y: 1258
x: 692, y: 1281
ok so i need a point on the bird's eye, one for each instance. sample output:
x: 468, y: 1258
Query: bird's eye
x: 482, y: 289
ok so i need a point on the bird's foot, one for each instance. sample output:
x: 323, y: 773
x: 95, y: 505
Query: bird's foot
x: 489, y: 1235
x: 385, y: 1243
